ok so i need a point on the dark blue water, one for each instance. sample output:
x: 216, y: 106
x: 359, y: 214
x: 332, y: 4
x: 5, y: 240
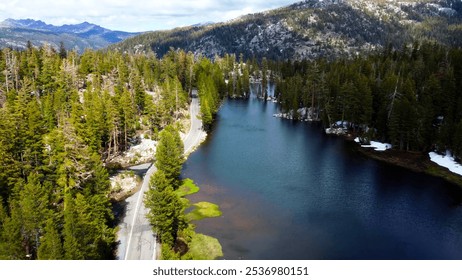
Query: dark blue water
x: 287, y: 191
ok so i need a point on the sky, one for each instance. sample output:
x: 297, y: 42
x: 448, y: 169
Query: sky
x: 134, y: 15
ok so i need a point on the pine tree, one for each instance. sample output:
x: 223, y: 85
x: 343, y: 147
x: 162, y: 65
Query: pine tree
x: 3, y: 218
x: 139, y: 92
x: 166, y: 209
x: 246, y: 81
x: 36, y: 128
x: 112, y: 125
x: 12, y: 243
x: 10, y: 170
x: 62, y: 50
x: 51, y: 247
x: 206, y: 114
x: 34, y: 205
x: 71, y: 244
x: 264, y: 81
x: 169, y: 155
x: 127, y: 115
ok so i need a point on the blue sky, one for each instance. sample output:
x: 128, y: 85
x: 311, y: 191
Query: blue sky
x: 134, y: 15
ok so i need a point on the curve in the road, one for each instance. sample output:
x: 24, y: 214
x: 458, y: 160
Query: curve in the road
x: 135, y: 237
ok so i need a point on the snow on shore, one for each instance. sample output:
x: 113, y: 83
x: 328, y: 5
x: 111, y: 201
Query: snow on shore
x: 446, y: 161
x: 378, y: 146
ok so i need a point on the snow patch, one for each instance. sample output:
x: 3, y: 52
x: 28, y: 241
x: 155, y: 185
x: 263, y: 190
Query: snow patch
x: 446, y: 161
x: 378, y: 146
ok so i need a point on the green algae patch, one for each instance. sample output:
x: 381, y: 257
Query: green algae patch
x: 187, y: 188
x: 191, y: 245
x: 203, y: 247
x: 203, y: 210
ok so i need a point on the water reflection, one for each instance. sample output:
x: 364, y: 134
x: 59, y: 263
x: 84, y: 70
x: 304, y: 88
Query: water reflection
x: 289, y: 192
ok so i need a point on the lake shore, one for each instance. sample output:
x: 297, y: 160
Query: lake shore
x: 270, y: 174
x: 416, y: 161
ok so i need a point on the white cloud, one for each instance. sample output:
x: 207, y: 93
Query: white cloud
x: 134, y: 15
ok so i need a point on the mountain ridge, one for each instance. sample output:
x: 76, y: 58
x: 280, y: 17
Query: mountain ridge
x: 16, y: 33
x: 312, y: 28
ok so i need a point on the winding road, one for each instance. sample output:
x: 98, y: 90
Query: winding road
x: 136, y: 241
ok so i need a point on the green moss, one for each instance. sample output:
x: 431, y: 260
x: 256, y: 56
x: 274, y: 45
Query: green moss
x: 187, y: 188
x: 198, y: 246
x: 203, y: 247
x: 204, y: 210
x: 444, y: 173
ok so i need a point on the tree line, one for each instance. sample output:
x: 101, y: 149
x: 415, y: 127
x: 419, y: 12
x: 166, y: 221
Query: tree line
x: 409, y: 97
x: 166, y: 209
x: 63, y: 118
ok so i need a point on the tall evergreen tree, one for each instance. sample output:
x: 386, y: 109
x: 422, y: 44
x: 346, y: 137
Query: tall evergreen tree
x: 34, y: 203
x: 51, y: 247
x: 169, y: 155
x: 166, y: 209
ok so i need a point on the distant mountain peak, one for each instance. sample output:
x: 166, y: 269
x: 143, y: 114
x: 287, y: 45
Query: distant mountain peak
x: 40, y: 25
x: 16, y: 33
x: 24, y: 23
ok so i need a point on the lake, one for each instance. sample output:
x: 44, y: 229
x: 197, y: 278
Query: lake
x: 288, y: 191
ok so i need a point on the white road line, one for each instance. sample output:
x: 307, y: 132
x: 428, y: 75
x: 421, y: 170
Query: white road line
x: 150, y: 171
x: 141, y: 193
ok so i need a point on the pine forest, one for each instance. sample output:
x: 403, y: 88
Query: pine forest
x: 64, y: 116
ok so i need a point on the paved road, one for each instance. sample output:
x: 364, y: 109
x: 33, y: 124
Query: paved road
x: 136, y: 239
x: 196, y: 132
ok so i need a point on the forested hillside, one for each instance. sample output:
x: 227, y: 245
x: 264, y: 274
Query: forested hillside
x: 312, y: 28
x: 410, y: 97
x: 63, y: 117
